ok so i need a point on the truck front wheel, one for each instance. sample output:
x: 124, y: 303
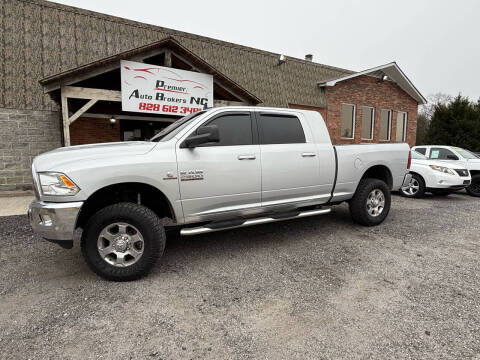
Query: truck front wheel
x: 371, y: 203
x: 122, y: 242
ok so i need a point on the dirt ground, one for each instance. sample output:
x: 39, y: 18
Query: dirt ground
x: 315, y: 288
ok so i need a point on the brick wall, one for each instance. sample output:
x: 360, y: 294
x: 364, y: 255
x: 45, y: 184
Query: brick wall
x: 92, y: 130
x: 369, y: 91
x: 25, y: 134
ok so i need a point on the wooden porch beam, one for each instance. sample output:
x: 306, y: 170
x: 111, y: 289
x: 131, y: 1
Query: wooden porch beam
x: 80, y: 111
x: 66, y: 125
x: 75, y: 92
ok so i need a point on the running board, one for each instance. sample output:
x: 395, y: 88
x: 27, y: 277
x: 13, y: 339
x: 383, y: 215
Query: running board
x: 250, y: 222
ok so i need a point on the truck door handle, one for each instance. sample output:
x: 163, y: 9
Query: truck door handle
x: 308, y: 154
x: 246, y: 157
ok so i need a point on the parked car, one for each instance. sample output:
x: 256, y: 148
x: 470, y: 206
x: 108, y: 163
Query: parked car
x: 212, y: 170
x: 457, y: 157
x: 434, y: 176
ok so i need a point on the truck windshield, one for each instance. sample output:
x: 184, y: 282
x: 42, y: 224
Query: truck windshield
x: 174, y: 128
x: 465, y: 153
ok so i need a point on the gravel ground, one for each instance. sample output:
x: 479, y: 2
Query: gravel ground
x: 319, y: 288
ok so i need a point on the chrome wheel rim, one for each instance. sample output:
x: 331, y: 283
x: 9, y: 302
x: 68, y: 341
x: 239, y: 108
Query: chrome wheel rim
x: 412, y: 188
x: 375, y: 202
x: 120, y: 244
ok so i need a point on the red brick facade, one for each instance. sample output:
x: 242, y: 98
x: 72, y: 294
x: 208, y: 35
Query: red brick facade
x: 369, y: 91
x: 93, y: 130
x: 366, y: 91
x: 360, y: 91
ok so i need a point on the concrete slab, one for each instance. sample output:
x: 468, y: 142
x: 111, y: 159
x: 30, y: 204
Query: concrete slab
x: 15, y: 205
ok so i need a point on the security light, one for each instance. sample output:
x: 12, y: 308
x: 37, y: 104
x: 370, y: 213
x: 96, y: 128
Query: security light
x: 282, y: 59
x: 384, y: 77
x: 113, y: 122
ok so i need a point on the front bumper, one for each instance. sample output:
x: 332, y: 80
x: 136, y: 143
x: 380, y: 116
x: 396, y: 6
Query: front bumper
x: 54, y: 221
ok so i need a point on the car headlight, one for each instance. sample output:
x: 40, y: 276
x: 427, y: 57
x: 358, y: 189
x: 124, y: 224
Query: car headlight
x: 53, y: 183
x: 442, y: 169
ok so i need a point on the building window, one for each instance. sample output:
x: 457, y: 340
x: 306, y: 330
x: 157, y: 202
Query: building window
x: 385, y: 124
x: 348, y: 121
x: 401, y: 126
x: 368, y: 114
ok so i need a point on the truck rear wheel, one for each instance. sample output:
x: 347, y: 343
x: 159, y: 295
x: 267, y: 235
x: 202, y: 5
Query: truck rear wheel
x: 122, y: 242
x: 371, y: 203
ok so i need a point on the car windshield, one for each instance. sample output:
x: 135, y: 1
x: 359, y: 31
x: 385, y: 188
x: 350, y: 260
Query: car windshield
x: 173, y: 129
x: 465, y: 153
x: 418, y: 156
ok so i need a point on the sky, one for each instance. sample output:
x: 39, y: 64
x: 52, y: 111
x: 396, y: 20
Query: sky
x: 435, y: 42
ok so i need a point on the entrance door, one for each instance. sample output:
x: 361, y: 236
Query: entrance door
x: 221, y: 180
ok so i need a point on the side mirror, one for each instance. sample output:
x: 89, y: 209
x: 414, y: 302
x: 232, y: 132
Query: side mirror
x: 205, y: 134
x: 452, y: 157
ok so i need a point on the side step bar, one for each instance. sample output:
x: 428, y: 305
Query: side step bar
x: 250, y: 222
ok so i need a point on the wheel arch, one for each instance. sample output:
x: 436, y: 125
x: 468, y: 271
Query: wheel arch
x: 135, y: 192
x: 380, y: 172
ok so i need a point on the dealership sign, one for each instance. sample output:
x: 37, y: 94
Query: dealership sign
x: 162, y: 90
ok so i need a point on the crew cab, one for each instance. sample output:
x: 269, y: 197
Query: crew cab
x: 434, y: 176
x: 216, y: 169
x: 458, y: 158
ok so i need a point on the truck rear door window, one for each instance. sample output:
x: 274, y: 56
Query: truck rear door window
x: 280, y: 129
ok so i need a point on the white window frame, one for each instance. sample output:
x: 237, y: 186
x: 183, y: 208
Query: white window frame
x: 353, y: 123
x: 372, y: 131
x: 404, y: 135
x: 390, y: 113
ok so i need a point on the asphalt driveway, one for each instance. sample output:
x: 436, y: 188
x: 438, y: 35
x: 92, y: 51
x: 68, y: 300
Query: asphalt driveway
x: 320, y: 288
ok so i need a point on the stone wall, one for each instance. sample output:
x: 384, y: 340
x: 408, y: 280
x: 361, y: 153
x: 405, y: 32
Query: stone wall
x: 23, y: 135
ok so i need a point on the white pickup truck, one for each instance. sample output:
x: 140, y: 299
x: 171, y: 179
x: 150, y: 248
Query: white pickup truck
x: 212, y: 170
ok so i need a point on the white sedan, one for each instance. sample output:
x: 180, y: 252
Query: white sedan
x: 437, y: 177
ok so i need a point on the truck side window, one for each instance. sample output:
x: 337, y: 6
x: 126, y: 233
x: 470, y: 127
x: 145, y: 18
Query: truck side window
x: 280, y: 129
x: 234, y: 129
x: 441, y: 154
x: 422, y: 151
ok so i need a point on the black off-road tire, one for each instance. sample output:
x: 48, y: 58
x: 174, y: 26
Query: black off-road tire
x: 358, y: 204
x: 421, y: 188
x: 148, y: 224
x: 474, y: 188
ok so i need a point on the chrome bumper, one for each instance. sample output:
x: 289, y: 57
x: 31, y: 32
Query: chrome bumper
x: 54, y: 221
x: 406, y: 180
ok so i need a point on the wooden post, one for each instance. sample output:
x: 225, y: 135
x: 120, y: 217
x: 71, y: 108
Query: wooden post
x: 66, y: 124
x: 168, y: 58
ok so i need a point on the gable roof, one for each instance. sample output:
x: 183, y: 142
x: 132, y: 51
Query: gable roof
x: 393, y: 73
x: 53, y: 82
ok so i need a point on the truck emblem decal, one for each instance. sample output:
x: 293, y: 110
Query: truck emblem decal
x: 189, y: 175
x: 169, y: 176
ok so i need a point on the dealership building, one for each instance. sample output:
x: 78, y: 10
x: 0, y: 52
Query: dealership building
x: 70, y: 77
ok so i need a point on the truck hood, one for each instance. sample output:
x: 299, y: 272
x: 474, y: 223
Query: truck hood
x: 58, y: 158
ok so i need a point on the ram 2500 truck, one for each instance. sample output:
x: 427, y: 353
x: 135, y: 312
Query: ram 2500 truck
x: 212, y: 170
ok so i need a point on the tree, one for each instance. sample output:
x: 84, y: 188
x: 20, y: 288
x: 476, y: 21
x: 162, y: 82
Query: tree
x: 422, y: 127
x: 455, y: 123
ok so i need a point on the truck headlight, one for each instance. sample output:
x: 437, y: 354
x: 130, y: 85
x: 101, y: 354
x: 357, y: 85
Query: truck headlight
x: 442, y: 169
x: 53, y: 183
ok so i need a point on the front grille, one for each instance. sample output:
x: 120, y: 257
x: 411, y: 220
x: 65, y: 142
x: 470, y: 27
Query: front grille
x: 462, y: 172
